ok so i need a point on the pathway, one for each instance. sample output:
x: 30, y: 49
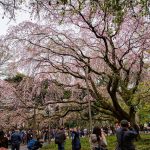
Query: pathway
x: 23, y: 147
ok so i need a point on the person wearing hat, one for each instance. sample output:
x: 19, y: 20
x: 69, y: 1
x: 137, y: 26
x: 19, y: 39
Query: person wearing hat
x: 3, y: 141
x: 125, y: 137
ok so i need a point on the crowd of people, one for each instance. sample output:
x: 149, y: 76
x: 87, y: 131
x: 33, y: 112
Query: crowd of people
x: 15, y: 137
x: 124, y: 133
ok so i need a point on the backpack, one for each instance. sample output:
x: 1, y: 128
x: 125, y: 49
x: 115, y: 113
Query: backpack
x: 59, y: 138
x: 93, y: 138
x: 15, y: 138
x: 3, y: 142
x: 31, y: 144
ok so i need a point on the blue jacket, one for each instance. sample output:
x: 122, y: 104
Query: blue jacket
x: 125, y: 139
x: 15, y: 138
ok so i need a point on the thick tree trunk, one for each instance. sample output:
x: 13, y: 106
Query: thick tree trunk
x: 131, y: 118
x: 133, y: 121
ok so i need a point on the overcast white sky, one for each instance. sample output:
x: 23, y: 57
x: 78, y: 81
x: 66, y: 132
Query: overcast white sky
x: 5, y: 22
x: 21, y: 15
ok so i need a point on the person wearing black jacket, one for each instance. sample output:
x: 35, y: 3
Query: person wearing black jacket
x: 76, y: 145
x: 3, y: 140
x: 125, y: 137
x: 60, y: 138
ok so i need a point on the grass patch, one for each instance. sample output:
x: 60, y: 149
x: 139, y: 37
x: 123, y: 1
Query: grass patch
x: 143, y: 144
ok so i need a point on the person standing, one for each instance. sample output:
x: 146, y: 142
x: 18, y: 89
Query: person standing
x: 76, y: 145
x: 125, y: 137
x: 60, y: 138
x: 98, y: 140
x: 15, y: 140
x: 29, y: 135
x: 3, y: 141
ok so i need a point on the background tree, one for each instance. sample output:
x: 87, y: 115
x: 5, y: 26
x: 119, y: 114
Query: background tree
x: 110, y: 50
x: 104, y: 40
x: 5, y: 58
x: 9, y: 111
x: 116, y: 7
